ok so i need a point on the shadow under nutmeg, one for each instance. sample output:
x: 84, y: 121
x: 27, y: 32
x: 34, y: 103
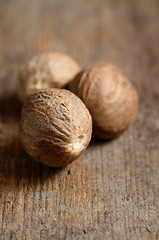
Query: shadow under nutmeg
x: 18, y: 169
x: 99, y: 142
x: 10, y: 108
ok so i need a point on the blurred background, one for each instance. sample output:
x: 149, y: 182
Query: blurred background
x: 90, y: 31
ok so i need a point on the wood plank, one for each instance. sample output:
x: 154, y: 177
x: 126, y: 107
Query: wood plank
x: 112, y: 190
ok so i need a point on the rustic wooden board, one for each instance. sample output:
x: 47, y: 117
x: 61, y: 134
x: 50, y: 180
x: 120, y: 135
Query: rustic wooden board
x: 112, y: 190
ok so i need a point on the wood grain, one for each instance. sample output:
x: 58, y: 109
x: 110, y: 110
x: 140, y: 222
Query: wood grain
x: 112, y: 190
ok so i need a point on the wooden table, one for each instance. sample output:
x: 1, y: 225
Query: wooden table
x: 112, y: 190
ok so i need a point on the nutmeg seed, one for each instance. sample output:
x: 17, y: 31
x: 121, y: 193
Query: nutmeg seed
x: 55, y: 127
x: 46, y: 70
x: 110, y: 97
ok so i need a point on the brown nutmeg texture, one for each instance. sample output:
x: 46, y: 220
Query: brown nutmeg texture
x: 46, y: 70
x: 111, y: 98
x: 55, y: 127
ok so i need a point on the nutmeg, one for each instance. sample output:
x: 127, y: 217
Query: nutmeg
x: 55, y: 127
x: 110, y: 97
x: 46, y: 70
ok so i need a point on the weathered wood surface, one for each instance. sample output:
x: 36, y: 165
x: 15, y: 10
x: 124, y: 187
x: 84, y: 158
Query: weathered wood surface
x: 112, y: 190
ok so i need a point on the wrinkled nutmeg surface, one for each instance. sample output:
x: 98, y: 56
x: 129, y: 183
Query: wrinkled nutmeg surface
x: 46, y: 70
x: 55, y: 127
x: 110, y: 97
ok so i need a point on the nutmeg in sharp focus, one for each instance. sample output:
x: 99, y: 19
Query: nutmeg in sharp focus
x: 55, y: 127
x: 46, y: 70
x: 111, y: 98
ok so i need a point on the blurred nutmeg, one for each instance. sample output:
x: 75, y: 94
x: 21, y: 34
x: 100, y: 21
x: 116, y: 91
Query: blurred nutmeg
x: 111, y: 98
x: 55, y: 127
x: 46, y: 70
